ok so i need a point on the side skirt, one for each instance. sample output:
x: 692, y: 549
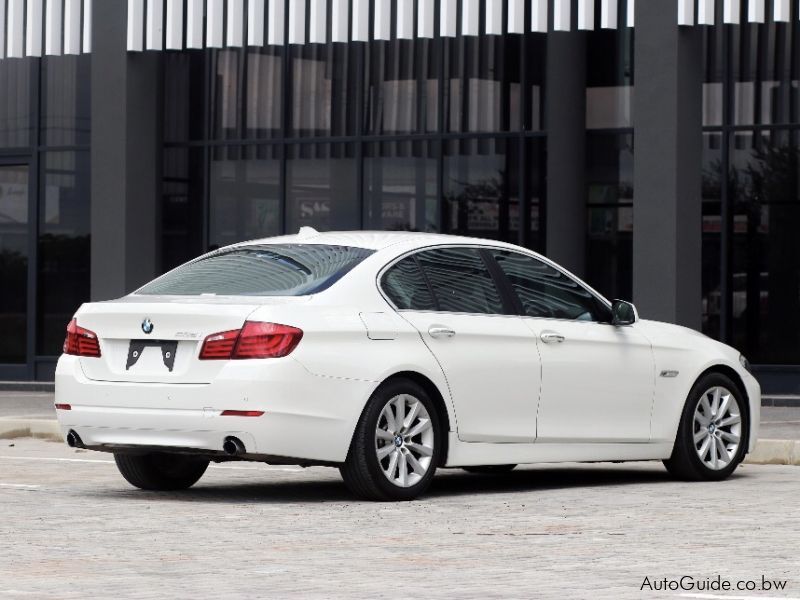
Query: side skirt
x: 462, y: 454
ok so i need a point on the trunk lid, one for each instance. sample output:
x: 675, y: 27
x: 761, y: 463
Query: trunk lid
x: 169, y: 353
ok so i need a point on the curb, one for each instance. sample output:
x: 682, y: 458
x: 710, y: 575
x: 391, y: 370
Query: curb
x: 781, y: 401
x: 27, y: 386
x: 766, y: 452
x: 44, y: 429
x: 775, y: 452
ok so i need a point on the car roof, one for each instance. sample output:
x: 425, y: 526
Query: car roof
x: 371, y: 240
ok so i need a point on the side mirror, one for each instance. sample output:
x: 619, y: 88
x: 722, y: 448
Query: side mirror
x: 623, y: 313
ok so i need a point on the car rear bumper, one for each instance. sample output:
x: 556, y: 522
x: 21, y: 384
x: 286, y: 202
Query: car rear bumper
x: 306, y: 417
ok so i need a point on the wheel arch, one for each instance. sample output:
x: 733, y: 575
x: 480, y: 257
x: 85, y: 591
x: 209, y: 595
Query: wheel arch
x: 731, y: 373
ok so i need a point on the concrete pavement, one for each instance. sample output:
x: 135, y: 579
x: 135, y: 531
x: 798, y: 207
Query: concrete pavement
x: 72, y: 528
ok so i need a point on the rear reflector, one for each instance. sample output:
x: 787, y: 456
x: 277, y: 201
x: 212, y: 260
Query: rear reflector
x: 63, y: 407
x: 242, y: 413
x: 254, y: 340
x: 80, y: 341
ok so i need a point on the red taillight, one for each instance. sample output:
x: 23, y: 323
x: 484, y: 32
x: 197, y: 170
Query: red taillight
x: 241, y: 413
x: 266, y: 340
x: 254, y: 340
x: 80, y: 341
x: 63, y: 407
x: 219, y: 345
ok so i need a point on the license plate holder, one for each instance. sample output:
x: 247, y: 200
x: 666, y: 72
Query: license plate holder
x: 168, y: 351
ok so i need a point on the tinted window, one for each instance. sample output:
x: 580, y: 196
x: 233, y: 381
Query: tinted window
x: 406, y: 287
x: 546, y: 292
x: 268, y: 270
x: 460, y: 281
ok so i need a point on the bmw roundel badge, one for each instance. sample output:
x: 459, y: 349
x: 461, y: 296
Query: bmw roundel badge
x: 147, y: 326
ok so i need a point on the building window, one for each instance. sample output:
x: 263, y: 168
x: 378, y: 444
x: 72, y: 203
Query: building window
x: 609, y: 79
x: 322, y: 187
x: 765, y: 278
x: 16, y: 119
x: 14, y: 232
x: 182, y: 214
x: 66, y: 100
x: 402, y: 88
x: 264, y: 93
x: 63, y: 250
x: 609, y: 175
x: 481, y: 195
x: 713, y: 173
x: 324, y: 89
x: 400, y: 186
x: 245, y: 194
x: 483, y: 92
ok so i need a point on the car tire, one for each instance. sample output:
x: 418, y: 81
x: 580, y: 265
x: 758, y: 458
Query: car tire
x: 380, y: 467
x: 161, y: 471
x: 728, y: 420
x: 490, y: 469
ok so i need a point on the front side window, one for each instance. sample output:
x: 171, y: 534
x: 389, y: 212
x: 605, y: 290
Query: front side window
x: 261, y: 270
x: 460, y: 281
x: 546, y: 292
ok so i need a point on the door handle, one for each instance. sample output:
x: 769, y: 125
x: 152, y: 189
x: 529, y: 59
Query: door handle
x: 440, y: 331
x: 551, y: 337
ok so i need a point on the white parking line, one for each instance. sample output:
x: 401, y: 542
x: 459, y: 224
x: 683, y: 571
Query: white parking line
x: 78, y: 460
x: 19, y: 486
x: 111, y: 462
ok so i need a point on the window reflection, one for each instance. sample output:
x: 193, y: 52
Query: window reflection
x: 264, y: 95
x: 482, y: 188
x: 225, y: 89
x: 483, y: 83
x: 182, y: 206
x: 766, y: 77
x: 323, y: 87
x: 15, y: 103
x: 14, y: 197
x: 712, y: 228
x: 400, y: 186
x: 402, y: 87
x: 66, y: 102
x: 609, y: 79
x: 322, y: 187
x: 184, y: 95
x: 63, y: 246
x: 245, y: 194
x: 609, y: 177
x: 765, y: 278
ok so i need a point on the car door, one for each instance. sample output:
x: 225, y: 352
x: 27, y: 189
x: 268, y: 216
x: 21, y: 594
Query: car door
x: 488, y: 356
x: 597, y: 379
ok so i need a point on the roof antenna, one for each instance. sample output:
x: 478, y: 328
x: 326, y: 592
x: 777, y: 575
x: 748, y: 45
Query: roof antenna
x: 306, y: 232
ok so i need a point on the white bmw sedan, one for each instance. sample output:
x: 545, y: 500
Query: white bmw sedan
x: 389, y: 355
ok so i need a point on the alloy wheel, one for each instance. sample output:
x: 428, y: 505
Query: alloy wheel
x: 404, y: 440
x: 717, y: 428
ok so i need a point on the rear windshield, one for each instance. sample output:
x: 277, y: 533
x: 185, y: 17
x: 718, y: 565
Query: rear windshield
x: 268, y: 270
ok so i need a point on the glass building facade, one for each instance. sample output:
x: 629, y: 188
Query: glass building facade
x: 445, y: 134
x: 45, y: 124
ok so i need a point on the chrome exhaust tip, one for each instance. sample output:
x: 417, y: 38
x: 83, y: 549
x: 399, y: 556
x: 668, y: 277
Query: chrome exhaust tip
x: 233, y: 446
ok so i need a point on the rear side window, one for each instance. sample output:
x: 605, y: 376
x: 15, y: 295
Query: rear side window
x: 406, y: 286
x: 266, y: 270
x: 546, y: 292
x: 460, y: 281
